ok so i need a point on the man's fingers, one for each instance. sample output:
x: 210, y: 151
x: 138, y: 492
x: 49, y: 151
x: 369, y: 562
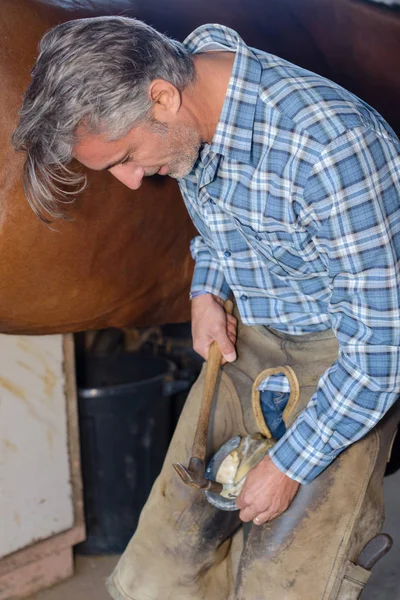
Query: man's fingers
x: 231, y: 325
x: 231, y: 319
x: 240, y: 503
x: 249, y: 513
x: 263, y: 518
x: 232, y: 335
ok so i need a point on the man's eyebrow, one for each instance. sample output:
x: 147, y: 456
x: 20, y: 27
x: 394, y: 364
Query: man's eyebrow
x: 117, y: 162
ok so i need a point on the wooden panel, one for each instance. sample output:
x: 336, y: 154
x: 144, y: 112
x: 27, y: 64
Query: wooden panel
x: 33, y: 577
x: 45, y: 563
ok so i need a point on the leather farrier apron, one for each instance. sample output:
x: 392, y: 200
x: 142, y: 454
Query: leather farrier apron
x: 185, y: 549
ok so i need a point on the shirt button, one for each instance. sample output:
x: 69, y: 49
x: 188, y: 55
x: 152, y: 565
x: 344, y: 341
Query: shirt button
x: 212, y: 201
x: 258, y: 238
x: 227, y: 253
x: 244, y: 297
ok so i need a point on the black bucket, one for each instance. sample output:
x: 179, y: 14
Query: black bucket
x: 126, y: 423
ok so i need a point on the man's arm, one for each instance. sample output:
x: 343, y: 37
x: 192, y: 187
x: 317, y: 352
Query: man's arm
x: 210, y: 323
x: 208, y: 275
x: 351, y: 203
x: 359, y: 242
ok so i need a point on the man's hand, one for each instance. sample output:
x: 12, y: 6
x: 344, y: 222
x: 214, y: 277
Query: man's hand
x: 210, y: 323
x: 266, y: 494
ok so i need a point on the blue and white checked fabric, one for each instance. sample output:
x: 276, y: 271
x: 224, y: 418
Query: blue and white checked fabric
x: 275, y: 383
x: 296, y: 201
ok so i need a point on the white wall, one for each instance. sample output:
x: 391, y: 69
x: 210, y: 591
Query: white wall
x: 35, y: 489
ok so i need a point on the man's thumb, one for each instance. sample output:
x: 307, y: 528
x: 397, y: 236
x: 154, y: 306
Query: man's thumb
x: 227, y: 349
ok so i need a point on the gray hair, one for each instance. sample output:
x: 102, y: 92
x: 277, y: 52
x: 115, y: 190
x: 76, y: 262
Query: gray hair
x: 94, y: 71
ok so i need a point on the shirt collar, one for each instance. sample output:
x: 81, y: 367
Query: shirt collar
x: 234, y: 133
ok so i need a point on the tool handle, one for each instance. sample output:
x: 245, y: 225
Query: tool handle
x: 374, y: 550
x: 214, y: 362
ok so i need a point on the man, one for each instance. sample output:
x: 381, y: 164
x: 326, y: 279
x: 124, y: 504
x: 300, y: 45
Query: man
x: 293, y: 184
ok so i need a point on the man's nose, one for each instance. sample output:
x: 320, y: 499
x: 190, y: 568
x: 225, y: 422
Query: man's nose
x: 129, y: 175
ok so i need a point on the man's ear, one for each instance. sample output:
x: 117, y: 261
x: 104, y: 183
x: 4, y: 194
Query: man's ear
x: 166, y: 99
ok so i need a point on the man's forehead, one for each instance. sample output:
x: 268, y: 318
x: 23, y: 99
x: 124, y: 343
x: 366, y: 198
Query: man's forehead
x: 97, y: 151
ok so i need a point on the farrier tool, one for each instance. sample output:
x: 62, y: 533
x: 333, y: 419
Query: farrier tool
x: 194, y: 474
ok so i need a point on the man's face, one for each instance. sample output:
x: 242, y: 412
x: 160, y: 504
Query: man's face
x: 166, y: 149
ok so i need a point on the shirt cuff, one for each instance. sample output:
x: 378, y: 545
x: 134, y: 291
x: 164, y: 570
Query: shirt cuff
x: 209, y: 278
x: 297, y: 455
x: 198, y: 293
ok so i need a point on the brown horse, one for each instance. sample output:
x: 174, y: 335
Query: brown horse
x: 125, y: 259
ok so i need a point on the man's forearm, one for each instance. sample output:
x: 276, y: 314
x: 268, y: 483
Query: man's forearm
x: 343, y: 409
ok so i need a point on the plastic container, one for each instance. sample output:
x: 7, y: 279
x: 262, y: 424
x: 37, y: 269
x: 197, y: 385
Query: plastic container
x: 126, y: 424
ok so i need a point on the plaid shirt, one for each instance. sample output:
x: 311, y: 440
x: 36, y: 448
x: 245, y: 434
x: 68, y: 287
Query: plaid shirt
x: 296, y: 201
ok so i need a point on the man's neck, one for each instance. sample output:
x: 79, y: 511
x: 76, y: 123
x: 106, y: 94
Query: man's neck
x: 204, y: 98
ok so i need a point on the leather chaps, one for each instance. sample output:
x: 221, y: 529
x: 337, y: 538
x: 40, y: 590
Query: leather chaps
x: 185, y: 549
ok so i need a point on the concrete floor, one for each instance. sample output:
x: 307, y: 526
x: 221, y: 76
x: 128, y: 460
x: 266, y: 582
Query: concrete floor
x: 91, y: 572
x: 88, y: 582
